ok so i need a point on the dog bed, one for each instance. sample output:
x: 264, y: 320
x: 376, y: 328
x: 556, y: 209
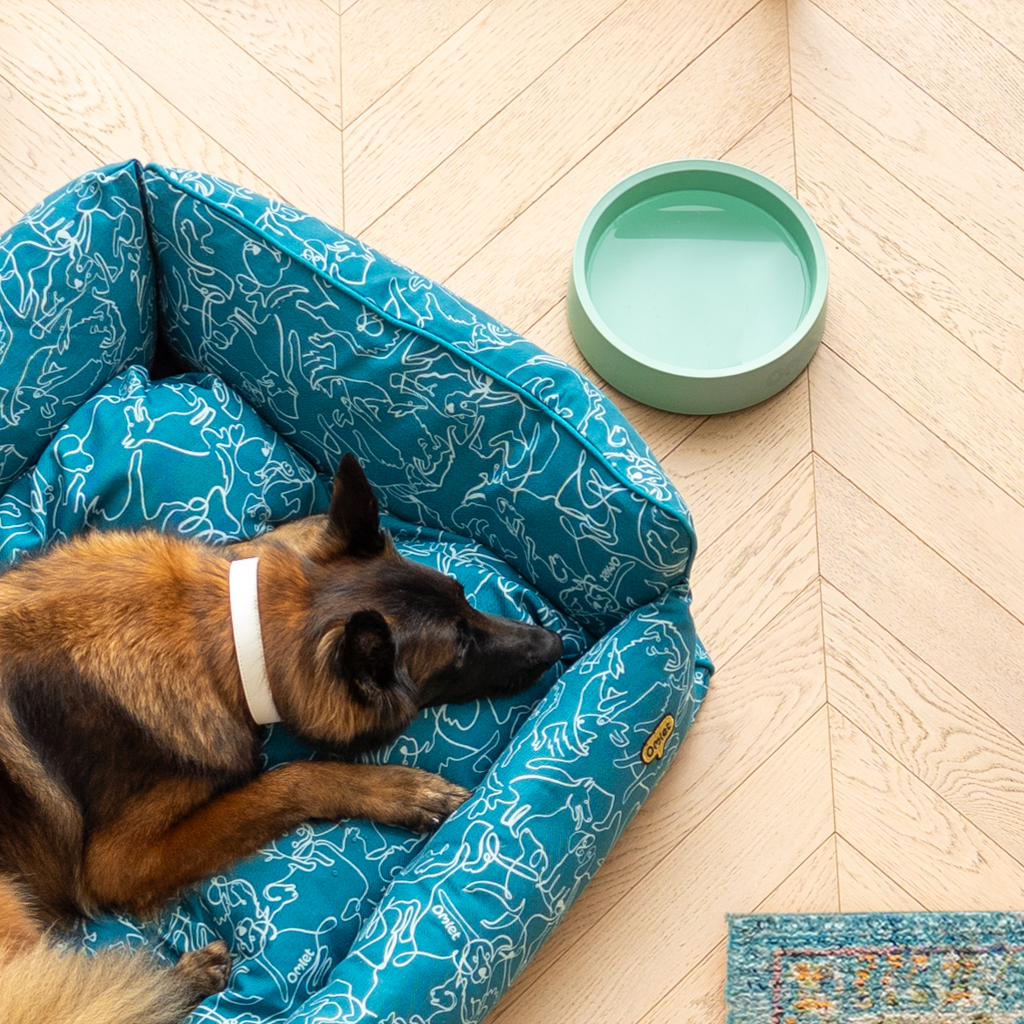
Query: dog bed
x: 178, y: 352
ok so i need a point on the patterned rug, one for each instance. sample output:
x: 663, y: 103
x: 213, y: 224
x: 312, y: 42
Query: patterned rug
x: 946, y: 968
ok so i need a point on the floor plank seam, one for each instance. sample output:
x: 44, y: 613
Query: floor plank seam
x: 49, y: 117
x: 394, y: 85
x: 484, y: 124
x: 922, y: 310
x: 17, y: 206
x: 935, y: 793
x: 923, y: 199
x: 951, y: 683
x: 269, y: 70
x: 144, y: 157
x: 888, y: 877
x: 922, y: 423
x: 916, y: 535
x: 921, y: 88
x: 341, y: 108
x: 782, y: 473
x: 562, y: 297
x: 549, y: 184
x: 981, y: 28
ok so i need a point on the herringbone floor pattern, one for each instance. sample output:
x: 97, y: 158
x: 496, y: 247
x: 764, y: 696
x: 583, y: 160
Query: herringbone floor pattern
x: 862, y: 534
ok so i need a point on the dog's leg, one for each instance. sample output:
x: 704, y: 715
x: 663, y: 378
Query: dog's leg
x: 157, y: 847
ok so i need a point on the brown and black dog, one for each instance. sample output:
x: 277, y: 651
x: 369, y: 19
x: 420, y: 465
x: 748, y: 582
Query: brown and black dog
x: 128, y: 755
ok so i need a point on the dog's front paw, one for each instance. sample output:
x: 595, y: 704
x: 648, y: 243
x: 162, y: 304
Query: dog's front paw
x: 435, y: 803
x: 421, y: 800
x: 205, y: 970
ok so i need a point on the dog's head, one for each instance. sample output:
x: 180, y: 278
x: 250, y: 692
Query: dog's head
x: 398, y: 636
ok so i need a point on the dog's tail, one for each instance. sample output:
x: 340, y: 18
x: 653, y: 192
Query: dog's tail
x: 43, y: 984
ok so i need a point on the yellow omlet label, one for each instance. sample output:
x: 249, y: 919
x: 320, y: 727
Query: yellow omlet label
x: 654, y: 748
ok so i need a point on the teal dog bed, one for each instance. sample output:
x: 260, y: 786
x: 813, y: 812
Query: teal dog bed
x: 177, y: 352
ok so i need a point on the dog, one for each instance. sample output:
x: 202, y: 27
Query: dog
x: 129, y: 743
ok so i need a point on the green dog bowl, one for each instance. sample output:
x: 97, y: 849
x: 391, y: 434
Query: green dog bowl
x: 698, y: 286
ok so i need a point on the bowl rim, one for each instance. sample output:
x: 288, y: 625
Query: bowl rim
x: 727, y: 170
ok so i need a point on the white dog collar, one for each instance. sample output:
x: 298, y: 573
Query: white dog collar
x: 245, y: 625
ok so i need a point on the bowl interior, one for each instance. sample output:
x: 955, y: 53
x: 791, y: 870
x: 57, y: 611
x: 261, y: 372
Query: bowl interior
x: 700, y: 268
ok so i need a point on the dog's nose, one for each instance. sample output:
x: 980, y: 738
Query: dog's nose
x: 549, y: 648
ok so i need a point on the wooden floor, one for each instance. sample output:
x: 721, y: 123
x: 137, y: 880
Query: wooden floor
x: 862, y: 534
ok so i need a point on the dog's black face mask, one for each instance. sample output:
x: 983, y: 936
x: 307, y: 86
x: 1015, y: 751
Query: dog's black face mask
x: 450, y: 651
x: 447, y: 651
x: 490, y: 656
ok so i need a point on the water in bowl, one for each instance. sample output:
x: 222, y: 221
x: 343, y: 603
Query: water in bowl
x: 698, y: 280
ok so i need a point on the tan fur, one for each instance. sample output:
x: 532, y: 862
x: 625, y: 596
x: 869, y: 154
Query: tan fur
x: 45, y: 985
x: 19, y: 932
x: 42, y: 984
x: 146, y: 593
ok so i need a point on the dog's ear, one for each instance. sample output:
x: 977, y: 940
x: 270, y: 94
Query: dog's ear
x: 364, y: 655
x: 354, y: 515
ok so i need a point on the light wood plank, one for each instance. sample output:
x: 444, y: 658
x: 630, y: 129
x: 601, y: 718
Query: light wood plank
x: 523, y: 271
x: 931, y: 261
x: 425, y: 117
x: 951, y: 506
x: 915, y: 595
x: 925, y: 722
x: 759, y: 697
x: 922, y: 843
x: 273, y: 138
x: 385, y: 40
x: 955, y: 61
x: 759, y: 445
x: 757, y: 567
x: 811, y: 889
x: 962, y: 400
x: 546, y: 130
x: 105, y: 111
x: 297, y: 41
x: 1001, y: 19
x: 699, y: 996
x: 9, y: 213
x: 912, y: 136
x: 768, y: 147
x: 37, y: 156
x: 730, y: 863
x: 863, y: 888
